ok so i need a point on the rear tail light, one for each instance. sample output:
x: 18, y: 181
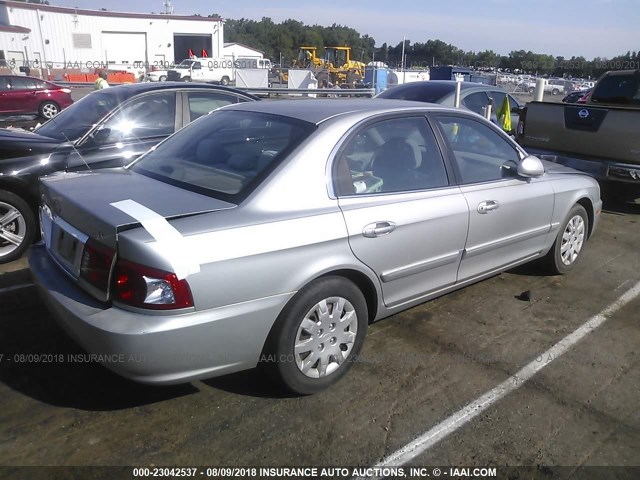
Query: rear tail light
x: 146, y: 287
x: 95, y: 266
x: 65, y: 90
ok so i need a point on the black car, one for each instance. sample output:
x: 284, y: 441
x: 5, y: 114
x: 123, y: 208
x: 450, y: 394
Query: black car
x: 473, y: 96
x: 107, y: 128
x: 573, y: 97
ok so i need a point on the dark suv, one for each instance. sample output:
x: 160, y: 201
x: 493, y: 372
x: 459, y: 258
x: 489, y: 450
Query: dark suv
x: 107, y: 128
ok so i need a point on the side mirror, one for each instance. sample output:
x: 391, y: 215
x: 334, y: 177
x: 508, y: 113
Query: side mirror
x: 101, y: 136
x: 530, y: 167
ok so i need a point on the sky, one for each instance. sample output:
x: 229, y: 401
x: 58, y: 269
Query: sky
x: 589, y: 28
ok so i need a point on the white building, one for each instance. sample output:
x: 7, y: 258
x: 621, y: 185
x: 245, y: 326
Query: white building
x: 238, y: 50
x: 52, y: 37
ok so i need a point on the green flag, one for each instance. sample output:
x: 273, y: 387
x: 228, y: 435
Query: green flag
x: 504, y: 115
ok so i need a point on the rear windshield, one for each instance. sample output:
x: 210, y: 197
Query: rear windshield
x: 418, y: 92
x: 618, y: 90
x: 224, y: 154
x: 76, y: 120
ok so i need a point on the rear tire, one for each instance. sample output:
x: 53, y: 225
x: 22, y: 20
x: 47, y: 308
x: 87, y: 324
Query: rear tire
x: 49, y: 109
x: 555, y: 91
x: 569, y: 243
x: 17, y: 226
x: 163, y: 78
x: 224, y: 81
x: 317, y: 337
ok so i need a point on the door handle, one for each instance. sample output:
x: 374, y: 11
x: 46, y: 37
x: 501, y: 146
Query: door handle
x: 378, y: 229
x: 487, y: 206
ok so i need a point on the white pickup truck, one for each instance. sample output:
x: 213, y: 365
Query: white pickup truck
x: 219, y: 70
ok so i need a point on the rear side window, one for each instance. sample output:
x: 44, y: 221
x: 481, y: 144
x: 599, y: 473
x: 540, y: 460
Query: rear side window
x: 476, y: 102
x: 618, y: 90
x: 201, y: 103
x: 225, y: 154
x: 17, y: 83
x: 396, y: 155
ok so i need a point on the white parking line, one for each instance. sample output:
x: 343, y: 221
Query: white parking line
x: 473, y: 409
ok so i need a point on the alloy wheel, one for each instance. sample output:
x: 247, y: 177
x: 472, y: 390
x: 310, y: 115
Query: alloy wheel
x: 572, y: 240
x: 13, y: 228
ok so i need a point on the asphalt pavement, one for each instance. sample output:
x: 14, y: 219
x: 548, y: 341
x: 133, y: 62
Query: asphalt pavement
x: 418, y: 370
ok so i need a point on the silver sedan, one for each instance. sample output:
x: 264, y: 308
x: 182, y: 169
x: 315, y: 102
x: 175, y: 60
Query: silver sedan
x: 271, y: 234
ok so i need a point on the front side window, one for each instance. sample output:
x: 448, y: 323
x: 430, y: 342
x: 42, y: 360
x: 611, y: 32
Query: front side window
x: 147, y: 116
x: 225, y: 154
x: 396, y: 155
x: 479, y: 152
x: 76, y: 120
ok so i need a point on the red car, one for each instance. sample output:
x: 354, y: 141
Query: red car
x: 28, y: 95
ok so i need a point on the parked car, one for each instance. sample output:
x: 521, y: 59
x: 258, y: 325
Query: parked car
x: 473, y: 96
x: 157, y: 76
x: 575, y: 97
x: 20, y: 95
x: 107, y: 128
x: 555, y: 86
x: 273, y: 233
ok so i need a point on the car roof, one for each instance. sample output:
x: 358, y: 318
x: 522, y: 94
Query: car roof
x: 26, y: 76
x: 445, y: 85
x: 130, y: 90
x: 136, y: 88
x: 317, y: 111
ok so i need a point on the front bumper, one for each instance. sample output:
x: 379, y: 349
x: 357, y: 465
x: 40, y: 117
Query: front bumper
x: 157, y: 349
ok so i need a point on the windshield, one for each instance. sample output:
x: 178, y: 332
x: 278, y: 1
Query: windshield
x: 76, y: 120
x: 224, y: 154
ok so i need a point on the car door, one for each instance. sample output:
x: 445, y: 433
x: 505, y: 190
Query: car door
x: 127, y: 133
x: 21, y: 96
x: 510, y: 216
x: 404, y: 219
x: 6, y: 104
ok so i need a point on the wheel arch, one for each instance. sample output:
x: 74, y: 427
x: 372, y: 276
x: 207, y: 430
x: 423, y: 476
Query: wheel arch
x: 21, y: 190
x: 586, y: 203
x: 364, y: 284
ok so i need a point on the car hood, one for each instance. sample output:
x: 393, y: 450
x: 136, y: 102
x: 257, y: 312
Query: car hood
x: 550, y: 166
x: 85, y: 200
x: 23, y: 136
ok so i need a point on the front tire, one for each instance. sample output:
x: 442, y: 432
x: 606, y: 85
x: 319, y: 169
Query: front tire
x: 569, y: 243
x: 17, y: 227
x: 163, y: 78
x: 49, y: 110
x: 224, y: 81
x: 316, y: 338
